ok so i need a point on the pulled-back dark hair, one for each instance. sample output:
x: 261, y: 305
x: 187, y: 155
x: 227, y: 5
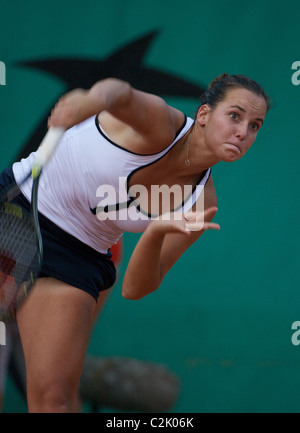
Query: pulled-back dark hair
x: 219, y: 87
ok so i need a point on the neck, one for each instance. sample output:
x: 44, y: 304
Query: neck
x: 195, y: 156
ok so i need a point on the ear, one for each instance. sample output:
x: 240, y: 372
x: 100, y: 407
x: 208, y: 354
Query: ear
x: 202, y: 114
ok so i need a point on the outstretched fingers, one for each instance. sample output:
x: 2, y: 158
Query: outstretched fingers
x: 196, y: 221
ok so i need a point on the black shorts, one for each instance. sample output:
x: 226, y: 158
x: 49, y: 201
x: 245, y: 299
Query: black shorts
x: 65, y: 257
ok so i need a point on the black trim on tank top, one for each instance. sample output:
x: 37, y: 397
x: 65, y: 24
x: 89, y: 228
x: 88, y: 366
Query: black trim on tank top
x: 180, y: 206
x: 100, y: 129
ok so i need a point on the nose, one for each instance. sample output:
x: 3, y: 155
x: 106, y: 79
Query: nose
x: 242, y: 130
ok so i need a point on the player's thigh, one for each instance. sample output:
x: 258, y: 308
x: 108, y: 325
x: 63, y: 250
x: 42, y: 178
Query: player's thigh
x: 55, y: 324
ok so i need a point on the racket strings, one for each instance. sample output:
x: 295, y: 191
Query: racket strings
x: 16, y: 240
x: 19, y: 256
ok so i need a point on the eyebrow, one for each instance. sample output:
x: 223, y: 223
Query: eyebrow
x: 243, y: 109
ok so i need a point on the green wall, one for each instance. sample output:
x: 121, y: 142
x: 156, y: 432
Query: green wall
x: 222, y: 318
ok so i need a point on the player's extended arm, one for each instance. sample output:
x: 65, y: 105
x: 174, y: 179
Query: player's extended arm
x: 161, y: 245
x: 142, y: 111
x: 146, y: 268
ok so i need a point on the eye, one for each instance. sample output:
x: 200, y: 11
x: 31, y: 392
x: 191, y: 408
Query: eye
x: 254, y: 126
x: 234, y: 115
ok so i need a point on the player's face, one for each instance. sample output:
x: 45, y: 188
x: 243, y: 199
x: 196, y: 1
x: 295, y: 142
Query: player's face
x: 232, y: 126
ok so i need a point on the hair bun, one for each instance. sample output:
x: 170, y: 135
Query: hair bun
x: 219, y: 78
x: 219, y: 87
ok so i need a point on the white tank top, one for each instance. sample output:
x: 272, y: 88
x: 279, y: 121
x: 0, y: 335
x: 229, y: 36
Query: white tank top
x: 84, y: 187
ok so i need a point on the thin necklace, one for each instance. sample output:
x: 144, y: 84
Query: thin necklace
x: 187, y: 161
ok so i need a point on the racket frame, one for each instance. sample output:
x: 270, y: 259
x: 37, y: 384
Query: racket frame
x: 42, y: 156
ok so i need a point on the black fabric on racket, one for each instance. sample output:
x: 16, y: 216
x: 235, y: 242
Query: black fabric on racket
x: 20, y: 253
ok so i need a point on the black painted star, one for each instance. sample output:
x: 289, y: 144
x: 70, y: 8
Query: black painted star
x: 126, y: 63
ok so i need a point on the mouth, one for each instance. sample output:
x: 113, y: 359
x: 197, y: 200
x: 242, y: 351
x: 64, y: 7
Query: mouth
x: 235, y: 148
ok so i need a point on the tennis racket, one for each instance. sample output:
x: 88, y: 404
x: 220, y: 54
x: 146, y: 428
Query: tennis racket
x: 21, y: 246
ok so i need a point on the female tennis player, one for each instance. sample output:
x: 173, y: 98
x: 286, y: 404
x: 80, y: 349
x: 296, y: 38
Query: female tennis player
x: 106, y: 177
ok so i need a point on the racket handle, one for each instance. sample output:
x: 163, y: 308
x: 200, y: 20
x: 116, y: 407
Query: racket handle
x: 46, y: 148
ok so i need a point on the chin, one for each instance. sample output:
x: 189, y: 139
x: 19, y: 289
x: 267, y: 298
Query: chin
x: 231, y: 157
